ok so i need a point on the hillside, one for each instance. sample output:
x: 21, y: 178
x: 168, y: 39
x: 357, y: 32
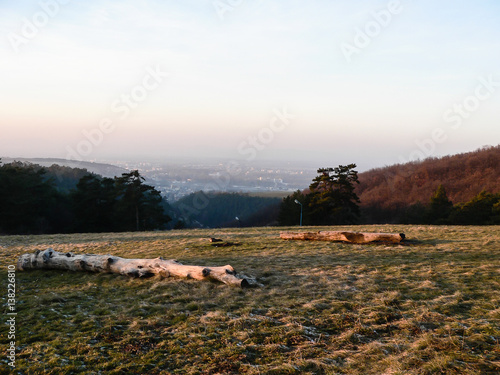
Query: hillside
x: 105, y: 170
x: 396, y: 187
x: 214, y: 210
x: 430, y: 306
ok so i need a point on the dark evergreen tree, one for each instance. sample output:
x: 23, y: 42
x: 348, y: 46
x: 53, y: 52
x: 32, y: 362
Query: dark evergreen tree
x: 27, y: 199
x: 415, y: 214
x: 138, y: 206
x: 93, y: 204
x: 481, y: 210
x: 495, y: 210
x: 440, y: 207
x: 65, y: 178
x: 289, y: 213
x: 333, y: 199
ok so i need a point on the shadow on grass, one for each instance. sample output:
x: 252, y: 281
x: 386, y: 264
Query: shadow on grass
x: 430, y: 242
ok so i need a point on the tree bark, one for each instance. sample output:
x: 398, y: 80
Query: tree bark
x: 50, y: 259
x: 351, y: 237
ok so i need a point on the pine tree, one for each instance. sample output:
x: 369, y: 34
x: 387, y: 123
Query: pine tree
x: 26, y: 199
x: 93, y: 203
x: 289, y: 213
x: 333, y: 199
x: 483, y: 209
x: 440, y: 207
x: 138, y: 206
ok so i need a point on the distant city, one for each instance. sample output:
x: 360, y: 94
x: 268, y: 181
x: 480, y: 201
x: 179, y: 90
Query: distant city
x: 175, y: 181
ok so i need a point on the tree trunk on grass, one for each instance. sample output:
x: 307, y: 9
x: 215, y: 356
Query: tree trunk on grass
x: 352, y: 237
x: 50, y: 259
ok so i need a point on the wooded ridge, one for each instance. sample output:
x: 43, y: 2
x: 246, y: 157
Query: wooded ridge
x: 464, y: 176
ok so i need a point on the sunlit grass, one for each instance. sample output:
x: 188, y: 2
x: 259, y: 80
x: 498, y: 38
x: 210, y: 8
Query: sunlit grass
x: 431, y: 306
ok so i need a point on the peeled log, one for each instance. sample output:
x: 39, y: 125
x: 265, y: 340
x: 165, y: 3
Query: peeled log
x: 352, y: 237
x: 51, y: 259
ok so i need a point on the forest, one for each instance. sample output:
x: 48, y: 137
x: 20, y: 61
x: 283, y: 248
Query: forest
x: 56, y: 199
x: 36, y: 200
x: 398, y: 193
x: 461, y: 189
x: 211, y: 209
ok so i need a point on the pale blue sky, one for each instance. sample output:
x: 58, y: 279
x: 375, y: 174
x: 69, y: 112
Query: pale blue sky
x: 227, y: 75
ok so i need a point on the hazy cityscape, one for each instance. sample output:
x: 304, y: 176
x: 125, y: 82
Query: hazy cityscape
x: 177, y: 179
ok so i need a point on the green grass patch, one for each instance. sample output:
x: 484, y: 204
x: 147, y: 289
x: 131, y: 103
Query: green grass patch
x: 428, y: 307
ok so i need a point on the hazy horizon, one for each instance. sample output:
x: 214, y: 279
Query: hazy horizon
x: 372, y: 82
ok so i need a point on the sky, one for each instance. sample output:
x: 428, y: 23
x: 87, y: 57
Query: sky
x: 326, y: 82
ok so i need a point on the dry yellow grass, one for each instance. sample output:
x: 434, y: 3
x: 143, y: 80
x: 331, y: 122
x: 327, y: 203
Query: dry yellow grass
x: 431, y: 306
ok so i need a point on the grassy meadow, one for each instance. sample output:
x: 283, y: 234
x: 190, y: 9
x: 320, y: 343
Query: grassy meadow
x: 429, y: 306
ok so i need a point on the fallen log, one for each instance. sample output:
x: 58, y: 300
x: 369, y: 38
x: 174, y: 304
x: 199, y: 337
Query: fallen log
x: 51, y: 259
x: 342, y: 236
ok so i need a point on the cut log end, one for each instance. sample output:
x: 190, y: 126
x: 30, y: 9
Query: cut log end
x: 205, y: 272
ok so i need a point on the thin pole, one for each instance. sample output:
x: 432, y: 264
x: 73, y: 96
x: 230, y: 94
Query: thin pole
x: 297, y: 201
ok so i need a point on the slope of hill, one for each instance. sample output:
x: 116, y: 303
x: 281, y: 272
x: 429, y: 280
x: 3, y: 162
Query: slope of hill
x: 105, y: 170
x: 394, y: 188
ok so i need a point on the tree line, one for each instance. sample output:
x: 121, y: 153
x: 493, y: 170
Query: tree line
x: 387, y: 193
x: 332, y: 200
x: 34, y: 201
x: 57, y: 199
x: 483, y: 209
